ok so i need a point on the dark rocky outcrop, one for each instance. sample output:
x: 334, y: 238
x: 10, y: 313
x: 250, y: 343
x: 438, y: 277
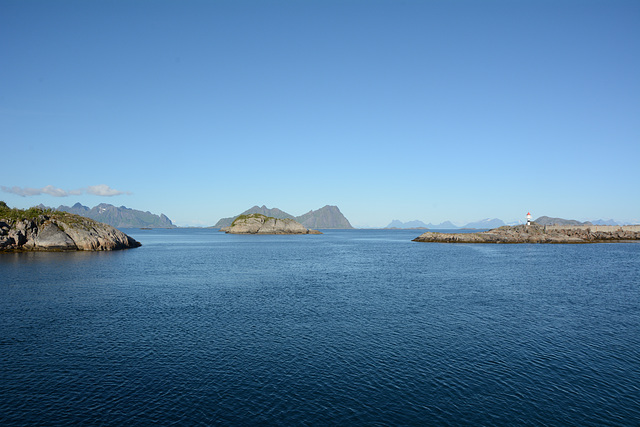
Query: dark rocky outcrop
x: 50, y: 236
x: 40, y: 230
x: 536, y: 233
x: 261, y: 224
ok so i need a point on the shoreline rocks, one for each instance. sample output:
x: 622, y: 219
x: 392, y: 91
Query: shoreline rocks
x: 61, y: 231
x: 535, y: 233
x: 261, y: 224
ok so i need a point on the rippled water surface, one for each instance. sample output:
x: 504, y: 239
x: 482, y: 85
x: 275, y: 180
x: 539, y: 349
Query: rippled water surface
x: 349, y: 327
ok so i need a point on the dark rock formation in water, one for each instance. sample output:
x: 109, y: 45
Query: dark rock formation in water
x: 40, y: 230
x: 536, y: 233
x: 261, y: 224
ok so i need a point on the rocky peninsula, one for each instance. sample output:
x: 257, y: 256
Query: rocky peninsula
x: 37, y: 229
x: 261, y: 224
x: 536, y: 233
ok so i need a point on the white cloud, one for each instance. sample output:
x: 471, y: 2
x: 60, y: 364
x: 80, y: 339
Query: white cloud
x: 102, y: 190
x: 53, y: 191
x: 49, y: 189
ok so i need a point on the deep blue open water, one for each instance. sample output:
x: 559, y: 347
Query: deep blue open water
x: 354, y: 327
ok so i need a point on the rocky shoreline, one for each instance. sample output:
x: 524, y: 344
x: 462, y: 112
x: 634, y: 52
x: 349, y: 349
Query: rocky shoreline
x: 535, y: 233
x: 261, y: 224
x: 38, y: 230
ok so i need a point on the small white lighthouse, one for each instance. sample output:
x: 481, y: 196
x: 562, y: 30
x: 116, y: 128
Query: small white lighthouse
x: 528, y: 218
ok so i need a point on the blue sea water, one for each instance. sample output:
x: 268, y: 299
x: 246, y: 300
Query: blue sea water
x: 352, y: 327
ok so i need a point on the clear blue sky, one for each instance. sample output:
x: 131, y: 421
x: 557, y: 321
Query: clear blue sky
x: 429, y: 110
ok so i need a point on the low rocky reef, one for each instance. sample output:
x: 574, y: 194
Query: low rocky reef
x: 535, y: 233
x: 261, y: 224
x: 44, y: 230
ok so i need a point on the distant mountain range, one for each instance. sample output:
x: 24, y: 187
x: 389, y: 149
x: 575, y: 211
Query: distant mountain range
x: 419, y: 224
x: 120, y: 217
x: 409, y: 224
x: 545, y: 220
x: 606, y: 222
x: 485, y: 223
x: 495, y: 223
x: 325, y: 217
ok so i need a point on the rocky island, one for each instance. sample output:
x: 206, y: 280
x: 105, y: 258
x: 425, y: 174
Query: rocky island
x: 37, y: 229
x: 325, y: 217
x: 261, y: 224
x: 535, y: 233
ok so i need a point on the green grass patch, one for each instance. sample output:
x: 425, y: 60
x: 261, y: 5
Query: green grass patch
x: 254, y: 215
x: 14, y: 214
x: 21, y: 214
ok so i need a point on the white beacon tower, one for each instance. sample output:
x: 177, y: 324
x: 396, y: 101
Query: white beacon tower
x: 528, y: 218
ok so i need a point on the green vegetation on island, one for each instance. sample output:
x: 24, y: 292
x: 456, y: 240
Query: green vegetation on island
x: 243, y: 218
x: 16, y: 214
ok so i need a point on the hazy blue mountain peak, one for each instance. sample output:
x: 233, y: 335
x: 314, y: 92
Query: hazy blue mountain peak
x: 120, y: 217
